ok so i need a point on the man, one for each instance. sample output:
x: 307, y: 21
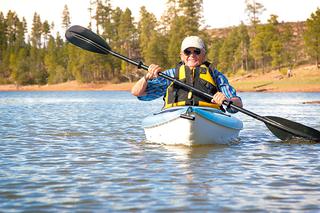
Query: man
x: 193, y: 70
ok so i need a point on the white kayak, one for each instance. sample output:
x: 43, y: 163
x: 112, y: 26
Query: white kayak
x: 191, y: 125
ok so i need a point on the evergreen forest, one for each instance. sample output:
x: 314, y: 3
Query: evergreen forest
x: 39, y: 57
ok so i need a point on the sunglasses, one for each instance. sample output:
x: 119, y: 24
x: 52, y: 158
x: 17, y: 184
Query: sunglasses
x: 189, y: 52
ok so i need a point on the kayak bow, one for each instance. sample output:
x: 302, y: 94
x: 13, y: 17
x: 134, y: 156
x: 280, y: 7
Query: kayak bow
x: 191, y: 126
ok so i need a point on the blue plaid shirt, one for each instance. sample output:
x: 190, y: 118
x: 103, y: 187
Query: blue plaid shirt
x: 157, y: 87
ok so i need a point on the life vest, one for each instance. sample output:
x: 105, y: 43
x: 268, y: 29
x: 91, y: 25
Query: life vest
x: 199, y: 78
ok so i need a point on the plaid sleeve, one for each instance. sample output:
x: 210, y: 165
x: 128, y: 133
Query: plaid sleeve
x: 157, y: 87
x: 224, y: 87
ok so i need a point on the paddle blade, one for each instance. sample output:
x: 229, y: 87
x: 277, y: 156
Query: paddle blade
x: 294, y: 129
x: 86, y: 39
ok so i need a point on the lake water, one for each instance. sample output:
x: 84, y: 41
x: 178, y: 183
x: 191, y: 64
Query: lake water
x: 85, y: 151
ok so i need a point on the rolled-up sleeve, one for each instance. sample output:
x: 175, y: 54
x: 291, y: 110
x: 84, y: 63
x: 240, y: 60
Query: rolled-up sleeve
x: 157, y: 87
x: 225, y: 88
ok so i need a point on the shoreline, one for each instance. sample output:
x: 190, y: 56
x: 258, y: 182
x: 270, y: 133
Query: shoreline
x: 69, y: 86
x: 74, y: 86
x: 305, y: 78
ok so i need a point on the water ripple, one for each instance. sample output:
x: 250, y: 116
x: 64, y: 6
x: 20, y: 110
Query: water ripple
x: 85, y: 151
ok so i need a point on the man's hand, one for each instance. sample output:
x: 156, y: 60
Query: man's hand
x: 218, y: 98
x: 153, y: 72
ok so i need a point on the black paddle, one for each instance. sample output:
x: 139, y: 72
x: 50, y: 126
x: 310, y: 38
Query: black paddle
x: 280, y: 127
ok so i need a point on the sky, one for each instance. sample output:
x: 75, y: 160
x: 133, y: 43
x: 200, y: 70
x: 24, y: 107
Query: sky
x: 217, y: 13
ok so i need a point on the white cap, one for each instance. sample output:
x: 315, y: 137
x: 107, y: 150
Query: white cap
x: 192, y: 41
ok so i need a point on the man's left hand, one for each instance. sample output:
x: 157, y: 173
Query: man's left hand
x: 218, y: 98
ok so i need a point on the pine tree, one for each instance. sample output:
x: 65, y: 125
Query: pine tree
x: 259, y: 47
x: 66, y: 19
x: 38, y: 71
x: 169, y: 14
x: 312, y: 36
x: 192, y: 15
x: 280, y: 45
x: 105, y: 24
x: 213, y: 51
x: 175, y: 36
x: 254, y: 9
x: 61, y: 49
x: 46, y: 32
x: 290, y: 49
x: 20, y: 66
x: 115, y: 41
x: 14, y: 34
x: 127, y: 32
x: 228, y: 50
x: 275, y: 52
x: 262, y: 43
x: 146, y: 28
x: 3, y: 47
x: 53, y: 62
x: 102, y: 17
x: 3, y: 38
x: 36, y: 31
x: 244, y: 46
x: 11, y: 28
x: 155, y: 51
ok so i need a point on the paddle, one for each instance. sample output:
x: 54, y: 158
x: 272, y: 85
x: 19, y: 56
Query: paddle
x: 280, y: 127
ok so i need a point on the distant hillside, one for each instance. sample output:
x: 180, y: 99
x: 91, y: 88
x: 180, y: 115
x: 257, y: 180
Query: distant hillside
x: 297, y: 46
x: 297, y: 27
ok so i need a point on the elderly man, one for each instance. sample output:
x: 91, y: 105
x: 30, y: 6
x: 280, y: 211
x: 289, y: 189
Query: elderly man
x: 193, y: 70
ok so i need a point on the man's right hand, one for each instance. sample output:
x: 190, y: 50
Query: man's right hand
x: 153, y: 72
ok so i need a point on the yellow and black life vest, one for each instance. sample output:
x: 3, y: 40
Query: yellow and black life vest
x: 199, y: 78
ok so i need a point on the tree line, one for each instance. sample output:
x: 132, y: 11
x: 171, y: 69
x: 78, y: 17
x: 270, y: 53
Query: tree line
x: 43, y: 58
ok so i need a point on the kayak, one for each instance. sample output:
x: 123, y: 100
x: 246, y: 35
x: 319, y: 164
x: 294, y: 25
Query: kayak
x: 191, y: 125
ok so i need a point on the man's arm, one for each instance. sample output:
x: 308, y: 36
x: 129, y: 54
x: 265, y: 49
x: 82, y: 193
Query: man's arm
x: 226, y: 91
x: 140, y: 87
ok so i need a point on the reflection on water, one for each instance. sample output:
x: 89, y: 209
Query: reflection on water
x: 86, y: 151
x: 184, y: 152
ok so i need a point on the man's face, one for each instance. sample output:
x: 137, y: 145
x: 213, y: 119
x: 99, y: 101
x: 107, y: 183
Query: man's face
x: 193, y: 57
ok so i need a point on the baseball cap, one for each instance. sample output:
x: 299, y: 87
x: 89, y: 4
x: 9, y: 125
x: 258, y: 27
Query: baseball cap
x: 192, y: 41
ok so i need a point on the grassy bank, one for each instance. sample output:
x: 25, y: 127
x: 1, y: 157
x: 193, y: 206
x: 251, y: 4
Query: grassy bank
x: 304, y: 79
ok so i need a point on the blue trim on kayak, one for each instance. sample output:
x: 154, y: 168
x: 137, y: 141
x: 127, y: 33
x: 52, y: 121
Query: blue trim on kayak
x: 213, y: 115
x: 220, y: 118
